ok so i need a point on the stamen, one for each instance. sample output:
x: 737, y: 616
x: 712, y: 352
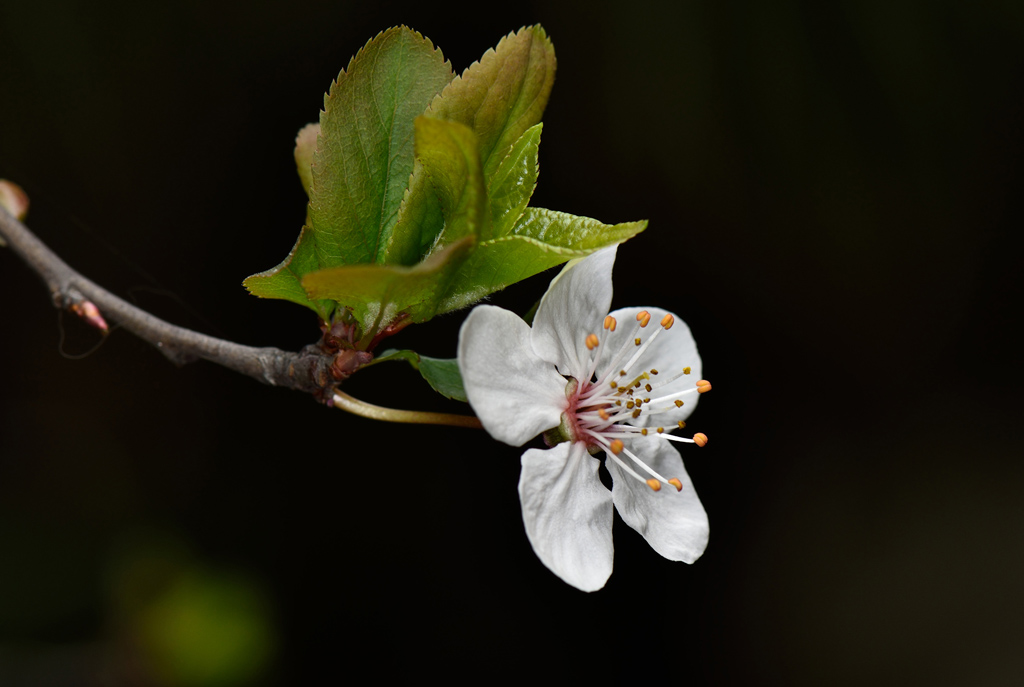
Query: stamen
x: 616, y: 446
x: 686, y: 370
x: 648, y: 387
x: 644, y: 318
x: 591, y: 341
x: 637, y: 341
x: 653, y: 371
x: 676, y: 483
x: 703, y: 386
x: 609, y: 323
x: 681, y: 424
x: 667, y: 321
x: 700, y: 439
x: 654, y: 484
x: 679, y: 404
x: 603, y: 413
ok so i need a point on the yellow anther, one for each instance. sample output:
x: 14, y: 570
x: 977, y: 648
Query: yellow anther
x: 667, y: 321
x: 648, y: 387
x: 630, y: 404
x: 637, y: 341
x: 700, y: 439
x: 616, y: 446
x: 636, y: 385
x: 647, y: 400
x: 636, y: 413
x: 603, y: 413
x: 591, y: 341
x: 613, y: 385
x: 686, y: 370
x: 622, y: 373
x: 653, y: 371
x: 609, y: 323
x: 644, y: 431
x: 703, y: 386
x: 679, y: 404
x: 660, y: 430
x: 639, y: 403
x: 681, y: 424
x: 676, y: 483
x: 654, y: 484
x: 618, y: 403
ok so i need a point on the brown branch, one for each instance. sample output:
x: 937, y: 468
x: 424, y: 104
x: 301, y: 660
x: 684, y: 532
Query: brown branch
x: 308, y: 370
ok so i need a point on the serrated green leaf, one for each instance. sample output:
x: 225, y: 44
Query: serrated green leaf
x: 514, y: 182
x: 364, y: 153
x: 379, y: 295
x: 503, y: 94
x: 442, y: 374
x: 285, y: 280
x: 541, y: 239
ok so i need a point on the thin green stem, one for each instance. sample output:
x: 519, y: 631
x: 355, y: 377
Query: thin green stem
x: 364, y: 409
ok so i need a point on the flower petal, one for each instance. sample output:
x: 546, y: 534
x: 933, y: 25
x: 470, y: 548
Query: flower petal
x: 673, y: 350
x: 516, y: 394
x: 568, y: 514
x: 573, y: 307
x: 673, y: 522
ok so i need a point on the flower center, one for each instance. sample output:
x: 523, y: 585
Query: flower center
x: 601, y: 406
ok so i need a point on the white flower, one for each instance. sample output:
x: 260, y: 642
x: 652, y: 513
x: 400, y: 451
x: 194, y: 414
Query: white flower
x: 598, y: 381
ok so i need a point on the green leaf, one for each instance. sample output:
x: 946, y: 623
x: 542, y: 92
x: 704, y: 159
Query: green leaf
x: 449, y: 154
x: 285, y: 280
x: 378, y: 295
x: 503, y: 94
x: 359, y: 162
x: 364, y: 153
x: 442, y: 374
x: 305, y: 144
x: 514, y: 182
x: 540, y: 239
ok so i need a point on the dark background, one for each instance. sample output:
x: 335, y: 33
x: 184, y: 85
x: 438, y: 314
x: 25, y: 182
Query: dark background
x: 832, y: 189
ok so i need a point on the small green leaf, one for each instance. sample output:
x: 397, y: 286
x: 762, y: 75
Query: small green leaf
x: 378, y: 295
x: 539, y: 240
x: 364, y: 153
x: 514, y: 182
x: 503, y: 94
x: 285, y: 280
x: 305, y: 144
x: 450, y: 157
x: 442, y: 374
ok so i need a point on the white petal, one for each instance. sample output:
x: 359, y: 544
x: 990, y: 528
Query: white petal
x: 673, y: 522
x: 573, y: 307
x: 515, y: 394
x: 672, y: 350
x: 568, y: 514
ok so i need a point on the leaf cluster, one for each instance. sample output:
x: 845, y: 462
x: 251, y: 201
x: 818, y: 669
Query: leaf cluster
x: 419, y: 184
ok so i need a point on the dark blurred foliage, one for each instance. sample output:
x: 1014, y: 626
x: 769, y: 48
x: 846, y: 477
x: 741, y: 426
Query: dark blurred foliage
x: 831, y: 188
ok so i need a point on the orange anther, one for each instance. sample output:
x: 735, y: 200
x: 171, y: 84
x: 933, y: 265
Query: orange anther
x: 676, y: 483
x: 703, y: 386
x: 617, y: 446
x: 644, y: 318
x: 591, y: 341
x: 609, y: 323
x: 700, y: 439
x: 660, y: 430
x: 654, y: 484
x: 667, y: 321
x: 603, y: 413
x: 644, y: 431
